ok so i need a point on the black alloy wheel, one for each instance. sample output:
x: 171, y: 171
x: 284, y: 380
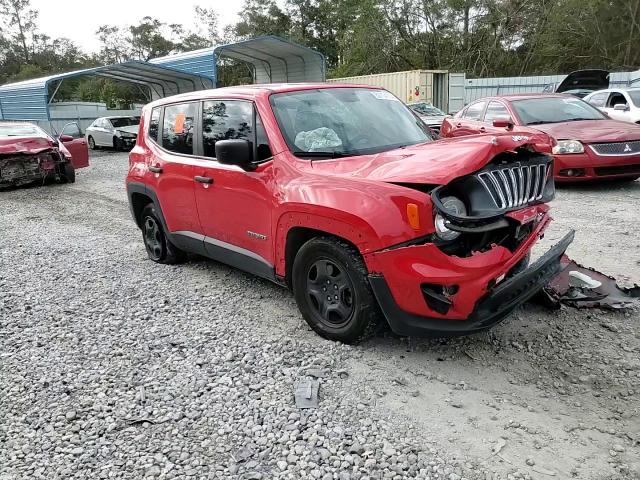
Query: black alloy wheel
x: 330, y: 292
x: 158, y: 246
x: 331, y: 287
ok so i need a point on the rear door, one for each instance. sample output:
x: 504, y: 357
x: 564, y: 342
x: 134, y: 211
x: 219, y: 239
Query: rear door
x: 234, y: 205
x: 170, y: 158
x: 470, y: 122
x: 77, y: 147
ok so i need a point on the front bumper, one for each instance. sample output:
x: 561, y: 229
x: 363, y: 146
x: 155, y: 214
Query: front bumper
x: 589, y: 166
x: 498, y: 302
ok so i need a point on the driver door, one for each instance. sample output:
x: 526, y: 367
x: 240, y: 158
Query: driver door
x: 77, y: 147
x: 234, y: 205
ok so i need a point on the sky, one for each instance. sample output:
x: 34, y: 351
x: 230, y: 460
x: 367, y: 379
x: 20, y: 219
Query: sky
x: 78, y: 20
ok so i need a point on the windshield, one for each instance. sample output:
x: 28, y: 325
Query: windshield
x: 635, y: 96
x: 426, y: 109
x: 21, y: 131
x: 124, y: 121
x: 345, y: 121
x: 534, y: 111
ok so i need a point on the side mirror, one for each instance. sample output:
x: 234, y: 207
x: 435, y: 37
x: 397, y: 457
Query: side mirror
x: 66, y: 138
x: 234, y: 152
x: 503, y: 123
x: 620, y: 107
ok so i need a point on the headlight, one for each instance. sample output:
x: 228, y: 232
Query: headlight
x: 568, y: 146
x: 456, y: 207
x: 127, y: 134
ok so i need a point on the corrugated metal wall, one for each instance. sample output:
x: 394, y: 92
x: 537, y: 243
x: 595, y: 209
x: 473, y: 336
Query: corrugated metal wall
x: 483, y: 87
x: 23, y: 101
x: 200, y: 62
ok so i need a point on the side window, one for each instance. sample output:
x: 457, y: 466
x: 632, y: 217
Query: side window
x: 106, y: 123
x: 177, y: 128
x: 617, y: 98
x: 474, y: 111
x: 73, y: 130
x: 598, y: 99
x: 154, y: 124
x: 263, y: 150
x: 225, y: 120
x: 496, y: 110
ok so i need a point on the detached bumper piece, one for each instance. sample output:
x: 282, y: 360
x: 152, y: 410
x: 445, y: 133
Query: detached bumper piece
x: 496, y: 305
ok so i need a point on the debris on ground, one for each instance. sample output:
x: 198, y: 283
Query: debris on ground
x: 582, y: 287
x: 306, y: 393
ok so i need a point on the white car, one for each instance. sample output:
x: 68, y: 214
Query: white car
x: 618, y: 103
x: 119, y: 133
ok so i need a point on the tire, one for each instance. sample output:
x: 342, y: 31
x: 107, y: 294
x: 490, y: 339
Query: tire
x: 118, y: 144
x: 326, y: 264
x: 158, y: 246
x: 92, y: 143
x: 67, y: 173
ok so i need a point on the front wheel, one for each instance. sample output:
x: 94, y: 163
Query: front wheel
x: 158, y: 246
x: 332, y: 290
x: 118, y: 144
x: 67, y: 173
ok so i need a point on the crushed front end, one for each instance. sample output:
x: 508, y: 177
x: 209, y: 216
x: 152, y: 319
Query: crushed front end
x: 22, y: 168
x: 474, y: 269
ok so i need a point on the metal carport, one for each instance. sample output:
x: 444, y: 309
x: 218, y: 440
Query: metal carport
x: 271, y: 59
x: 31, y: 99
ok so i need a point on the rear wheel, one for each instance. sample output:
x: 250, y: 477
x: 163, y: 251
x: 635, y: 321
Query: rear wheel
x: 332, y: 291
x: 92, y: 143
x: 158, y: 246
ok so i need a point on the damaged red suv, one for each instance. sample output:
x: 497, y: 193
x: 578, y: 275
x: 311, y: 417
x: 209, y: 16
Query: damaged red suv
x: 339, y: 193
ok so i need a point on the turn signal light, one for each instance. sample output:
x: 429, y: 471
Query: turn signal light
x: 413, y: 216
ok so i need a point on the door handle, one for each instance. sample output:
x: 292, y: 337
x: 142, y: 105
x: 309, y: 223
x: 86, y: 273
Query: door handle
x: 482, y: 129
x: 207, y: 180
x: 155, y: 169
x: 458, y: 124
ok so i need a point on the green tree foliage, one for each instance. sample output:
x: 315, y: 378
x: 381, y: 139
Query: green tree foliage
x: 479, y: 37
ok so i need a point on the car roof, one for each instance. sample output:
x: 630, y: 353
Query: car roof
x: 526, y: 96
x: 256, y: 90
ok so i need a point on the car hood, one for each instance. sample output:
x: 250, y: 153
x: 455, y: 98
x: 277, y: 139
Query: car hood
x: 26, y: 145
x: 590, y: 131
x: 434, y: 163
x: 584, y: 80
x: 129, y: 129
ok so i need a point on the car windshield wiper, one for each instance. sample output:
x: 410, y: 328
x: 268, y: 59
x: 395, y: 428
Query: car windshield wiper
x: 321, y: 154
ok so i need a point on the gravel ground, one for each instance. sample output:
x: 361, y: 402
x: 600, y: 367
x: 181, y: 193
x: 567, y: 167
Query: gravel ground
x: 115, y: 367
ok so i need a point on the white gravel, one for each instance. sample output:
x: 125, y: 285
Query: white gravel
x: 115, y: 367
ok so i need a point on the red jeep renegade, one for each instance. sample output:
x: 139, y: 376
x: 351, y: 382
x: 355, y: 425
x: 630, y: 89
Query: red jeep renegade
x: 340, y: 193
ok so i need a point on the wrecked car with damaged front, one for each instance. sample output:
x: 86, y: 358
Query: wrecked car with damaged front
x: 30, y: 155
x: 341, y: 194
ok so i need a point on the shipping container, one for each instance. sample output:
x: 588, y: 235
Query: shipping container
x: 412, y: 86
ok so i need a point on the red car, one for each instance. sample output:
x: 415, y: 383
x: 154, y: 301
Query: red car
x: 28, y: 154
x: 340, y: 193
x: 590, y: 146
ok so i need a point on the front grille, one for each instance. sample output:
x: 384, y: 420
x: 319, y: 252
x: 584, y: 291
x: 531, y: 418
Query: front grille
x: 515, y: 186
x: 620, y: 170
x: 617, y: 148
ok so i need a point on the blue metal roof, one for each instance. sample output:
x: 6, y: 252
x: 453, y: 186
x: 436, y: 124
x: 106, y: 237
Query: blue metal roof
x: 29, y: 99
x: 272, y: 58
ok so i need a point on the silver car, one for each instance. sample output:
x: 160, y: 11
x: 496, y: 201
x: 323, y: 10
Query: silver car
x: 429, y: 114
x: 119, y: 133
